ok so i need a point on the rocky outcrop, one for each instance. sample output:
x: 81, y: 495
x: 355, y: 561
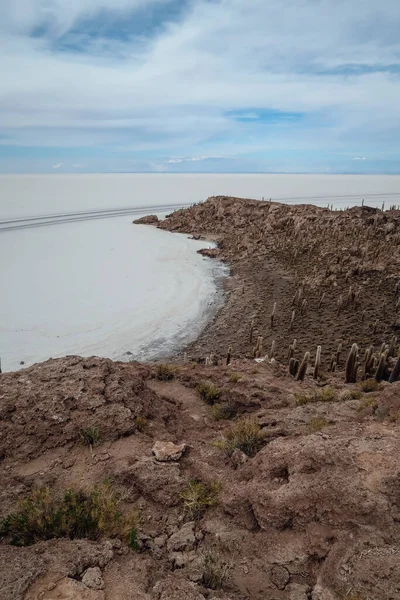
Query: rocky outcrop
x: 48, y: 405
x: 147, y: 220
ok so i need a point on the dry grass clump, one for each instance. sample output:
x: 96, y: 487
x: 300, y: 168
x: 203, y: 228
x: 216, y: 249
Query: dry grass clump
x: 223, y: 411
x: 165, y: 372
x: 209, y: 392
x: 235, y: 377
x: 369, y: 385
x: 141, y: 423
x: 197, y: 497
x: 215, y: 570
x: 326, y: 394
x: 316, y: 424
x: 244, y: 435
x: 45, y: 514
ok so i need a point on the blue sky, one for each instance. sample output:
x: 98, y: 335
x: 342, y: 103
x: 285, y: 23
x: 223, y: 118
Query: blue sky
x: 199, y: 86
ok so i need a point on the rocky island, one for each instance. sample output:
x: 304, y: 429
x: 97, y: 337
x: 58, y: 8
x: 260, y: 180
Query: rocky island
x: 264, y: 464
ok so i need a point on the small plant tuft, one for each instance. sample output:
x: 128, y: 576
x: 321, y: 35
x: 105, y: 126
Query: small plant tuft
x: 244, y: 435
x: 165, y: 372
x: 215, y: 570
x: 316, y: 424
x: 369, y: 385
x: 90, y: 436
x: 133, y: 541
x: 197, y: 497
x: 141, y: 423
x: 222, y: 411
x: 234, y: 377
x: 209, y: 392
x: 326, y: 394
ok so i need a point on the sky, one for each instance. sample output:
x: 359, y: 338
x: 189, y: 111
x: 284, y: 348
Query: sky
x: 199, y: 86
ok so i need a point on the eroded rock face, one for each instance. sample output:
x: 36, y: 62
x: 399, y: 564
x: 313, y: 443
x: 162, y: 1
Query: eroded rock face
x: 70, y: 589
x: 292, y: 483
x: 51, y: 570
x: 46, y: 406
x: 168, y: 451
x: 160, y: 482
x: 173, y: 588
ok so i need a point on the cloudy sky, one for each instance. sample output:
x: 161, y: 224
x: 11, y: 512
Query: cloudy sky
x: 200, y: 85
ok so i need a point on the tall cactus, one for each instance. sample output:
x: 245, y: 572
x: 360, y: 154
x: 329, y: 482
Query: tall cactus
x: 381, y: 368
x: 303, y: 367
x: 273, y: 314
x: 395, y: 374
x: 351, y: 363
x: 317, y: 363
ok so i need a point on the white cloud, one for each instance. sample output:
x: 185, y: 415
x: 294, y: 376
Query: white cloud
x: 171, y: 92
x: 57, y: 166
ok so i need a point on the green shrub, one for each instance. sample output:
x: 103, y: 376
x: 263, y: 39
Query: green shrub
x: 244, y: 435
x: 215, y: 570
x: 90, y: 436
x: 197, y: 497
x: 133, y: 541
x: 209, y: 392
x: 223, y: 411
x: 165, y: 372
x: 44, y: 514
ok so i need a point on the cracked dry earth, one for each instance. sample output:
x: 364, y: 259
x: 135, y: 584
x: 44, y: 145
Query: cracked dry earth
x: 314, y: 514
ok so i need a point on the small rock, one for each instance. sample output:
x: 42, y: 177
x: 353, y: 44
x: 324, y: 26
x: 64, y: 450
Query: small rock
x: 92, y: 579
x: 68, y: 462
x: 184, y: 539
x: 182, y: 559
x: 298, y: 591
x: 167, y: 451
x: 160, y: 541
x: 238, y: 458
x: 280, y: 577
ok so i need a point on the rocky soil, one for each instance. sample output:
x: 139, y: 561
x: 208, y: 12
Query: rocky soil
x: 311, y: 512
x: 345, y: 264
x: 314, y: 513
